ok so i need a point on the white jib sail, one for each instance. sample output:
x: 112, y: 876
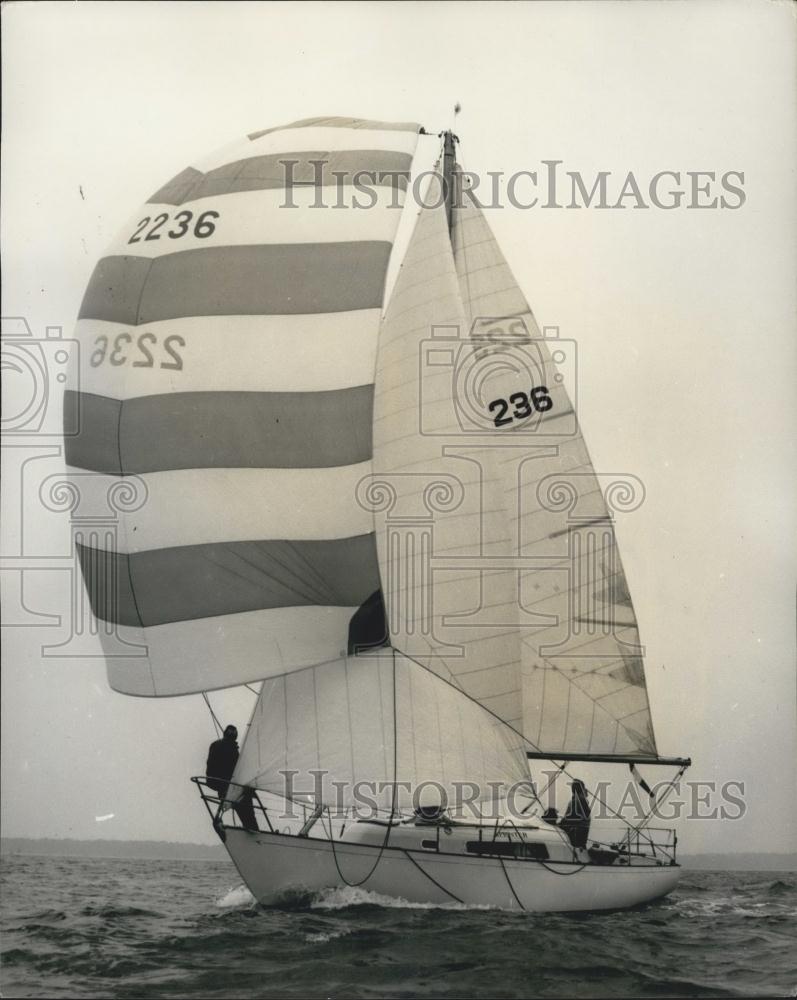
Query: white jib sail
x: 342, y: 733
x: 438, y: 505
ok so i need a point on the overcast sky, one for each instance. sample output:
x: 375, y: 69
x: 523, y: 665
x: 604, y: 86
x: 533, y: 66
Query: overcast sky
x: 685, y: 323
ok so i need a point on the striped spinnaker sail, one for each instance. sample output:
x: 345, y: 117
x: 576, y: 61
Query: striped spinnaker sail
x: 228, y: 347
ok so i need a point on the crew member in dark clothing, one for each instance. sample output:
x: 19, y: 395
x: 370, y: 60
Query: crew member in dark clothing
x: 575, y: 821
x: 222, y: 758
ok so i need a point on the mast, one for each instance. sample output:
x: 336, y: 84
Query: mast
x: 449, y: 162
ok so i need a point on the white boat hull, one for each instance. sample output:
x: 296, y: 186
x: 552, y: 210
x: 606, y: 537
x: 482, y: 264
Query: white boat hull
x: 275, y: 866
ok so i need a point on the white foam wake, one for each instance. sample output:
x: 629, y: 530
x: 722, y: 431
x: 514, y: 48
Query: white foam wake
x: 344, y: 896
x: 236, y: 897
x: 339, y: 898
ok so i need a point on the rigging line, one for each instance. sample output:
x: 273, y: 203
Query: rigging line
x: 393, y: 803
x: 538, y: 795
x: 658, y: 801
x: 554, y: 871
x: 216, y: 722
x: 433, y: 880
x: 250, y: 688
x: 509, y: 883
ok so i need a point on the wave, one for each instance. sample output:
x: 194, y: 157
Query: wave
x: 781, y: 888
x: 172, y: 931
x: 730, y: 907
x: 322, y: 937
x: 107, y: 911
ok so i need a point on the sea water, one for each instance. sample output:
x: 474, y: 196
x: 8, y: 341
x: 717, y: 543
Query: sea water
x: 73, y: 927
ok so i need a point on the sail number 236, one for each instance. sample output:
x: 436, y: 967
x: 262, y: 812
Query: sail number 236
x: 522, y: 405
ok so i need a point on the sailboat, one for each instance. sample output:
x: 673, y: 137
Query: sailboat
x: 366, y: 490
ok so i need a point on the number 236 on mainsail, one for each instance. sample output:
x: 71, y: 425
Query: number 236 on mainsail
x: 354, y: 474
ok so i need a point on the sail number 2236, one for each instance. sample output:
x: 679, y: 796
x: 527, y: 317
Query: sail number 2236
x: 142, y: 351
x: 152, y: 228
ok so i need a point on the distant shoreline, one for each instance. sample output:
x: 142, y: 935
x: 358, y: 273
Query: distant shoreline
x: 150, y: 850
x: 163, y: 850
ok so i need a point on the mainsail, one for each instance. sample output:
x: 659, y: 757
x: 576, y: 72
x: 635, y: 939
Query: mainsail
x: 584, y: 687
